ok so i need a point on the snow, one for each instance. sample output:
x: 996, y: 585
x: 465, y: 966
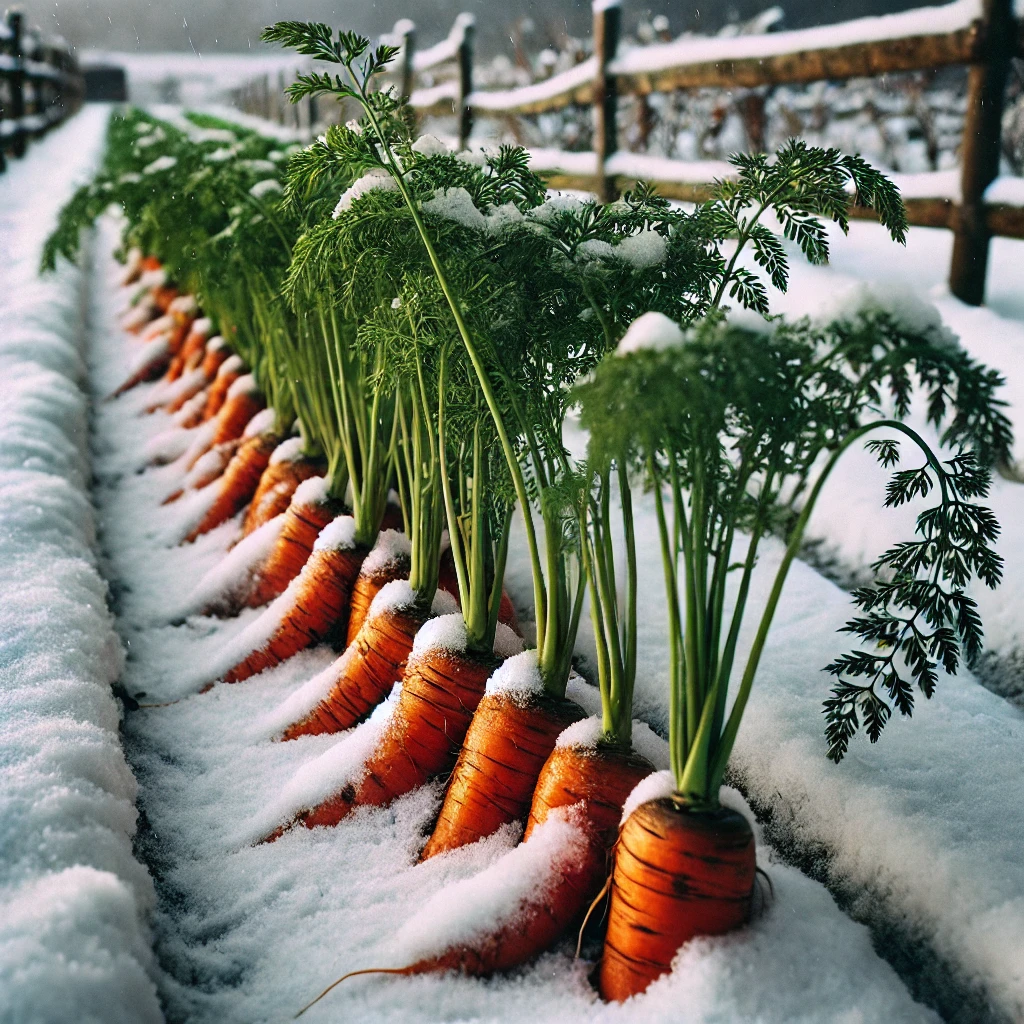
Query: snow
x: 651, y: 331
x: 266, y: 187
x: 289, y: 450
x: 643, y: 250
x: 455, y: 204
x: 398, y: 596
x: 163, y: 163
x: 445, y: 50
x: 443, y: 633
x: 337, y: 535
x: 262, y: 423
x: 377, y: 178
x: 507, y: 642
x: 312, y: 491
x: 74, y: 903
x: 1006, y: 189
x: 584, y: 734
x: 656, y: 786
x: 658, y: 168
x: 690, y: 50
x: 518, y: 675
x: 505, y: 895
x: 430, y: 145
x: 252, y: 932
x: 245, y: 385
x: 551, y: 88
x: 392, y: 547
x: 231, y: 575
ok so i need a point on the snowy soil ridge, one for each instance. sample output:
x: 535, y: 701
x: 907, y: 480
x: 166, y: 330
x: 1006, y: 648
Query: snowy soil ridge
x: 74, y: 941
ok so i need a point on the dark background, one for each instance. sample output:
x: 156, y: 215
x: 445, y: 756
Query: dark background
x: 234, y: 25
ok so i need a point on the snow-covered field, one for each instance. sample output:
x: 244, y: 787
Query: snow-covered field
x: 919, y: 836
x: 74, y: 903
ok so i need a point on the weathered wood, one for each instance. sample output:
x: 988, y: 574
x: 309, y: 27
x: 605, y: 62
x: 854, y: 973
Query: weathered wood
x: 407, y: 31
x: 857, y: 60
x: 465, y: 60
x: 980, y: 150
x: 607, y: 26
x: 16, y: 80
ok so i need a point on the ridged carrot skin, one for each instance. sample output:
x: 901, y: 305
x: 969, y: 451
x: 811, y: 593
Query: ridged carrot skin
x: 318, y: 604
x: 367, y: 586
x: 235, y: 414
x: 227, y: 374
x: 599, y: 782
x: 421, y: 740
x: 365, y: 672
x: 678, y: 874
x: 189, y: 350
x: 505, y: 748
x: 238, y: 482
x: 302, y: 526
x: 276, y: 487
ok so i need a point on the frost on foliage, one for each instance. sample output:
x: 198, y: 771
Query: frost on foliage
x: 266, y: 187
x: 430, y: 145
x: 455, y: 204
x: 377, y: 178
x: 645, y: 249
x: 653, y: 331
x: 163, y: 163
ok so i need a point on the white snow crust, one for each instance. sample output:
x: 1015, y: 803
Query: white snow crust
x: 289, y: 450
x: 312, y: 491
x: 74, y: 903
x: 391, y: 547
x: 261, y: 423
x: 376, y: 178
x: 337, y: 535
x: 653, y: 331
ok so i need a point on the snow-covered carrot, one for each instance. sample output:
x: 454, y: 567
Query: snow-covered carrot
x: 313, y: 606
x: 227, y: 373
x: 388, y: 561
x: 288, y: 466
x: 309, y: 511
x: 242, y: 474
x: 242, y: 403
x: 191, y: 349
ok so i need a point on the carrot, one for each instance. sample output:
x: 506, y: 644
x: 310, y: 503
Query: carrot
x: 243, y: 403
x: 510, y: 738
x: 189, y: 352
x: 311, y: 509
x: 133, y: 266
x: 240, y: 479
x: 230, y: 370
x: 215, y: 354
x: 164, y: 296
x: 364, y: 674
x: 286, y: 469
x: 678, y: 873
x: 313, y: 607
x: 389, y: 560
x: 440, y: 691
x: 149, y: 263
x: 191, y: 412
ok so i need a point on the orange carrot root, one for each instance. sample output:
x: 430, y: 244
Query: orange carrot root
x: 275, y: 490
x: 304, y: 520
x: 496, y: 773
x: 678, y: 874
x: 235, y: 414
x: 238, y: 481
x: 317, y: 604
x: 366, y: 672
x: 164, y: 296
x: 440, y: 690
x: 230, y: 370
x: 368, y: 585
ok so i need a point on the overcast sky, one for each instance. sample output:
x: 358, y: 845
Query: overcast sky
x: 234, y: 25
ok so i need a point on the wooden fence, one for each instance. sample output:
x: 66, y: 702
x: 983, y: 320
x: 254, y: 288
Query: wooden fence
x: 40, y: 85
x: 983, y: 35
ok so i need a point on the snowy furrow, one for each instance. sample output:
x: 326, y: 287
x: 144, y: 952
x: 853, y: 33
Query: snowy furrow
x: 250, y: 933
x: 74, y: 942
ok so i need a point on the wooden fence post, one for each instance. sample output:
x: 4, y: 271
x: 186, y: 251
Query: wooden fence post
x: 979, y: 155
x: 406, y: 31
x: 16, y: 82
x: 607, y: 26
x: 465, y: 58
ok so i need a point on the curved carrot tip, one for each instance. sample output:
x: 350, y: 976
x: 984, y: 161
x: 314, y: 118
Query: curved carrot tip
x: 345, y: 977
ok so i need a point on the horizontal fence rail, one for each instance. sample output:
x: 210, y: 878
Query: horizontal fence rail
x: 40, y: 85
x: 982, y: 35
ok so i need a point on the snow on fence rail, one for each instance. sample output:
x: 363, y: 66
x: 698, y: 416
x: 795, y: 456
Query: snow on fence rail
x: 984, y: 35
x: 41, y: 82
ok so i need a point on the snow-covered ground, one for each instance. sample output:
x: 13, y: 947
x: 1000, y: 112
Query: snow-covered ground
x: 918, y: 836
x: 74, y: 939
